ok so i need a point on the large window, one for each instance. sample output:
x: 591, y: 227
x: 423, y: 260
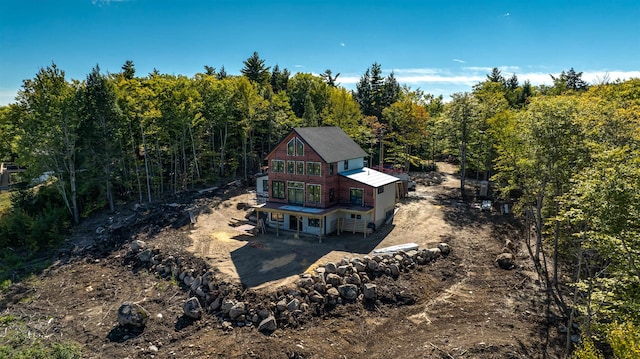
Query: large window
x: 295, y: 147
x: 330, y: 169
x: 277, y: 166
x: 313, y: 168
x: 313, y: 193
x: 356, y: 196
x: 295, y: 191
x: 277, y: 190
x: 346, y: 165
x: 299, y: 167
x: 291, y: 167
x: 314, y: 222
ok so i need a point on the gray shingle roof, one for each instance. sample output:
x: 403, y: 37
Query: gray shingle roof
x: 331, y: 143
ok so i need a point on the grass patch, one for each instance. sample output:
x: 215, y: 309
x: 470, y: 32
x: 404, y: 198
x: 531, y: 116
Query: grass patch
x: 19, y: 341
x: 5, y: 201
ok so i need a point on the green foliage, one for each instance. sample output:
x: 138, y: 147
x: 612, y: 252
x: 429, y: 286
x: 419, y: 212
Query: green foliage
x: 17, y: 344
x: 624, y: 340
x: 5, y: 201
x: 587, y: 350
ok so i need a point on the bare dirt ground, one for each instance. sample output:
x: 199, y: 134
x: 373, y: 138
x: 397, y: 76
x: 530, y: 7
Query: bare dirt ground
x: 466, y: 307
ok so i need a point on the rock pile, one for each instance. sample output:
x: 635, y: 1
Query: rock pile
x: 352, y: 280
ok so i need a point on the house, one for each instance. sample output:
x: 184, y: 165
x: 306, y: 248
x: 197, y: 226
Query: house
x: 9, y: 174
x: 318, y: 184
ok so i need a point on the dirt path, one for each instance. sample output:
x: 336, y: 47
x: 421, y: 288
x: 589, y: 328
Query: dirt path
x: 466, y: 306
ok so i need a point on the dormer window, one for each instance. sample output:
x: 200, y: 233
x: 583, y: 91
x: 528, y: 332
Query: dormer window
x: 295, y: 147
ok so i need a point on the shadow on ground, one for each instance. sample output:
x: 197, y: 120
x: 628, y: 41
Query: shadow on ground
x: 264, y: 260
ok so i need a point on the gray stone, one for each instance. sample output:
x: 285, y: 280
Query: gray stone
x: 344, y: 261
x: 281, y: 305
x: 344, y: 269
x: 372, y: 265
x: 412, y: 253
x: 237, y: 310
x: 505, y: 261
x: 132, y: 314
x: 263, y: 313
x: 200, y: 292
x: 192, y: 308
x: 434, y: 253
x: 331, y: 267
x: 305, y: 282
x: 268, y: 324
x: 227, y: 326
x: 216, y: 304
x: 293, y: 305
x: 370, y: 291
x: 316, y: 297
x: 333, y: 292
x: 138, y: 245
x: 334, y: 279
x: 348, y: 291
x: 196, y: 283
x: 227, y: 304
x: 353, y: 279
x: 444, y: 248
x: 395, y: 270
x: 360, y: 267
x: 145, y: 256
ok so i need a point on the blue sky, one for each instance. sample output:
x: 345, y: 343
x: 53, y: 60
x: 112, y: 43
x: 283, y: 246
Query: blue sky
x: 440, y: 47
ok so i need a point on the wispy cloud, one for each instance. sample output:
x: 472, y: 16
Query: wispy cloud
x: 106, y: 2
x: 506, y: 14
x: 458, y: 60
x: 298, y: 66
x: 342, y: 44
x: 447, y: 81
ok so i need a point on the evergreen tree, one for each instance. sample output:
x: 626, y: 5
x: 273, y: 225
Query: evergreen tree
x: 255, y: 70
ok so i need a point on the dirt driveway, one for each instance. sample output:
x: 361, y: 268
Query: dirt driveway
x: 267, y: 261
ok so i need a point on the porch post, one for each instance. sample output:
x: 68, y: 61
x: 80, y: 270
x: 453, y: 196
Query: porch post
x: 320, y: 230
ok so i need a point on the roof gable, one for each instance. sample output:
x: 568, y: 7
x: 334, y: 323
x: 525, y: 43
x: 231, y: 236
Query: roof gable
x: 330, y: 143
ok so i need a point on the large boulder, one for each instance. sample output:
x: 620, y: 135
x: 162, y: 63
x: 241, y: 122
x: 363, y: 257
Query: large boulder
x: 192, y: 308
x: 506, y: 261
x: 138, y: 245
x: 348, y: 291
x: 370, y: 291
x: 132, y: 314
x: 268, y: 324
x: 237, y: 310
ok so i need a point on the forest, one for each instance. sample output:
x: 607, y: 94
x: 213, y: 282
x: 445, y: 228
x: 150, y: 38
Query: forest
x: 567, y: 155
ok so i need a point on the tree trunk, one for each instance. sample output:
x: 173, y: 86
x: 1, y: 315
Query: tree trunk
x: 146, y: 164
x: 463, y: 167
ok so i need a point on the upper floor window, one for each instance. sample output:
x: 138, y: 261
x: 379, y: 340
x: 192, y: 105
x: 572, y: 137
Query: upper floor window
x: 356, y: 196
x: 313, y: 193
x: 277, y: 166
x: 278, y: 189
x: 291, y: 167
x: 313, y: 168
x: 299, y: 167
x: 346, y: 165
x: 295, y: 147
x: 330, y: 169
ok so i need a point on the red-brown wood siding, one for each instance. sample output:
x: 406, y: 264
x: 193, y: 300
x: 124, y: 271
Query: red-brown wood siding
x: 325, y: 181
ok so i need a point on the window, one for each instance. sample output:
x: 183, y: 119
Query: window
x: 332, y: 195
x: 299, y: 167
x: 313, y: 168
x: 295, y: 191
x: 330, y: 169
x: 265, y: 185
x: 313, y: 193
x: 346, y: 165
x: 291, y: 167
x: 278, y: 166
x: 277, y: 217
x: 277, y: 190
x: 295, y: 147
x: 380, y: 189
x: 356, y: 196
x: 314, y: 222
